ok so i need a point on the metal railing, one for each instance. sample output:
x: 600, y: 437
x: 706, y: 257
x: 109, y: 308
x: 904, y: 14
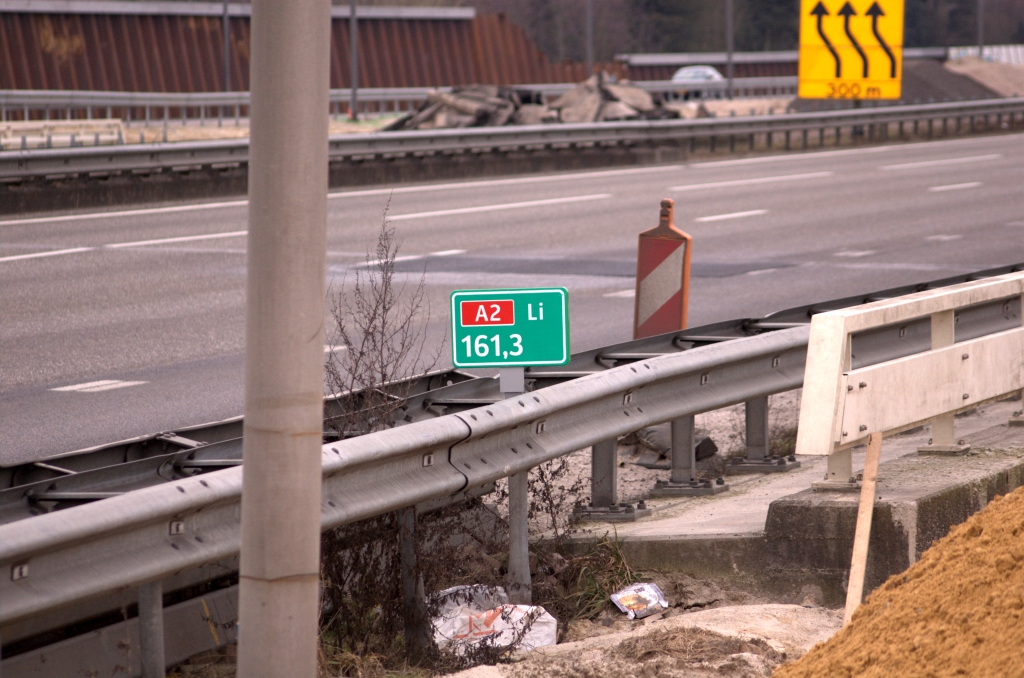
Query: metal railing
x: 219, y: 107
x: 155, y: 157
x: 128, y: 538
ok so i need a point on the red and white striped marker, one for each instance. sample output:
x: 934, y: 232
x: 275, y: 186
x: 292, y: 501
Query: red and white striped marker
x: 662, y: 277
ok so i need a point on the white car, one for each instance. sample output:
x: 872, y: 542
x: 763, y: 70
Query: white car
x: 693, y: 77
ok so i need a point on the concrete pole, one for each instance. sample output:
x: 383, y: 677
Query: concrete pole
x: 728, y: 46
x: 590, y: 38
x: 283, y: 430
x: 151, y: 629
x: 353, y: 41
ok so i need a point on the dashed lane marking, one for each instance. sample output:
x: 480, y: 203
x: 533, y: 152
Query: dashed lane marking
x: 98, y: 386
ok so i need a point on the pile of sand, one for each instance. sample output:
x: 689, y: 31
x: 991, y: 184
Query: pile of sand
x: 1006, y: 79
x: 957, y: 612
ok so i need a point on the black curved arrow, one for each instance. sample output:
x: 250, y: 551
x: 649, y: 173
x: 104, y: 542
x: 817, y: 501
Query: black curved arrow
x: 846, y: 12
x: 874, y: 12
x: 820, y: 11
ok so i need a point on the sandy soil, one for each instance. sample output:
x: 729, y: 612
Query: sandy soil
x: 1006, y: 79
x: 742, y: 641
x: 956, y: 612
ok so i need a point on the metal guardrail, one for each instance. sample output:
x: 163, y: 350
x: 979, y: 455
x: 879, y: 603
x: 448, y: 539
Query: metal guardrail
x: 59, y: 558
x: 26, y: 164
x: 178, y: 108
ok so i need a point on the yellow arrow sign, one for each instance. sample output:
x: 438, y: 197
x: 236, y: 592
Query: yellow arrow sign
x: 851, y: 49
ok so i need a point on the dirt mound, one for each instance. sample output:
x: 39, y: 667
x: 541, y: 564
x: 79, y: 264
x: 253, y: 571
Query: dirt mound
x: 1007, y: 79
x: 956, y: 612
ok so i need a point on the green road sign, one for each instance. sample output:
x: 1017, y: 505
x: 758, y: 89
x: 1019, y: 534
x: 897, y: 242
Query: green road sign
x: 510, y: 328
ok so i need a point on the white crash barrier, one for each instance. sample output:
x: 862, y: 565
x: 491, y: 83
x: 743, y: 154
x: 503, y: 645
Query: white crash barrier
x: 842, y: 407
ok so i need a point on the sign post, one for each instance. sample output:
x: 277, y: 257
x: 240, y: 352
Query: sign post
x: 851, y: 49
x: 510, y: 330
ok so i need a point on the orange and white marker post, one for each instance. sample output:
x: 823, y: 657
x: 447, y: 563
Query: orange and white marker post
x: 662, y: 277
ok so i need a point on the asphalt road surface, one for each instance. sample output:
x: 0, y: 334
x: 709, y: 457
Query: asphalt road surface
x: 121, y: 324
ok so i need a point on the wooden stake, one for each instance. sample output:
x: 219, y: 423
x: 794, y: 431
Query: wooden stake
x: 855, y: 589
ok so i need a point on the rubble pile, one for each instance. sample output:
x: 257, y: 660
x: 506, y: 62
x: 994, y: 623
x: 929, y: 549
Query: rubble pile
x: 596, y: 99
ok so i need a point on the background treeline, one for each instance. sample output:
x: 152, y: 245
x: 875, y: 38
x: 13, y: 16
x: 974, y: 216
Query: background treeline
x: 621, y: 26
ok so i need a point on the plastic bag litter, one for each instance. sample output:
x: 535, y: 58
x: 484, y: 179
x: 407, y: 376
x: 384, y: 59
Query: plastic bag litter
x: 473, y: 615
x: 477, y: 596
x: 640, y: 600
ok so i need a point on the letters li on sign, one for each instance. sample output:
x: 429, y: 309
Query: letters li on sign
x: 662, y: 277
x: 851, y: 49
x: 510, y: 328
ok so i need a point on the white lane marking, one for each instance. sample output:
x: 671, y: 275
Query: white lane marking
x: 624, y: 294
x: 759, y: 180
x: 1016, y: 223
x: 504, y: 182
x: 762, y: 271
x: 334, y: 349
x: 98, y: 386
x: 732, y: 215
x: 954, y: 187
x: 413, y: 257
x: 51, y: 253
x: 853, y: 254
x: 793, y: 156
x: 126, y: 213
x: 943, y: 238
x: 185, y: 238
x: 945, y: 161
x: 504, y: 206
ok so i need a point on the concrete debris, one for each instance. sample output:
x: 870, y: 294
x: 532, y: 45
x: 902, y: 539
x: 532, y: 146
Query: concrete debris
x: 595, y: 99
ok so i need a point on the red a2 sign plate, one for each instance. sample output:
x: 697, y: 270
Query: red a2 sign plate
x: 490, y: 312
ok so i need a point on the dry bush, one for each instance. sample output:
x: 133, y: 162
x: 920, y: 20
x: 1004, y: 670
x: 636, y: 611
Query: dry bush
x: 381, y: 325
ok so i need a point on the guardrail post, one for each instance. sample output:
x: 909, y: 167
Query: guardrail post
x: 604, y: 474
x: 417, y: 637
x: 683, y: 480
x: 151, y: 629
x: 684, y: 457
x: 757, y: 428
x: 519, y: 584
x: 943, y: 427
x: 759, y: 458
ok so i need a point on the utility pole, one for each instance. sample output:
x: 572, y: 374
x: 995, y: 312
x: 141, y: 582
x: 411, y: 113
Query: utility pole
x: 283, y: 426
x: 226, y: 35
x: 227, y: 48
x: 353, y: 41
x: 981, y: 29
x: 590, y: 38
x: 728, y: 47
